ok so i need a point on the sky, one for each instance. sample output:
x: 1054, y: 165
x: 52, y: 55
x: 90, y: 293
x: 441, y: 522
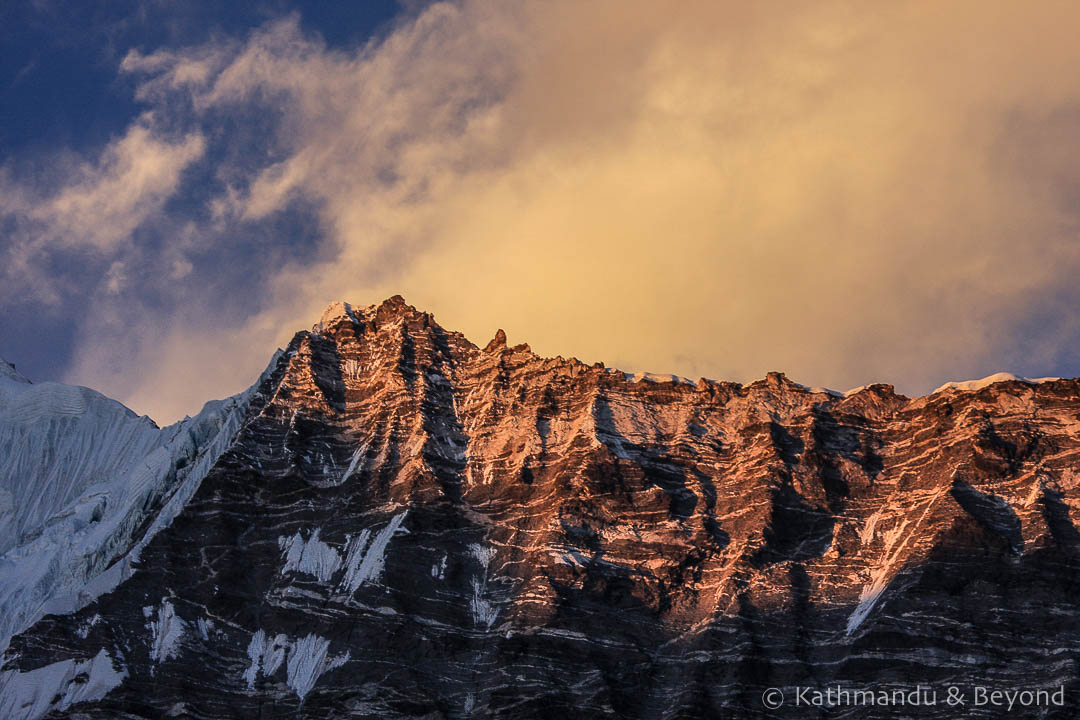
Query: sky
x: 842, y: 191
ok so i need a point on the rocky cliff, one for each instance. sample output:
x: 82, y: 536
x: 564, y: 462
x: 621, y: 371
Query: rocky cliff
x: 405, y: 525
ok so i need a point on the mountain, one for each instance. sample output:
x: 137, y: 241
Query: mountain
x: 396, y: 523
x: 84, y: 484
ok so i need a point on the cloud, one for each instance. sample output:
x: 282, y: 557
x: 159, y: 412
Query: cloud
x: 102, y: 203
x: 181, y: 268
x: 78, y: 208
x: 115, y: 279
x: 842, y: 192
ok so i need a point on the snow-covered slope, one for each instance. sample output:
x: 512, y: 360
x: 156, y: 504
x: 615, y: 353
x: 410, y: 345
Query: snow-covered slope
x: 56, y: 441
x: 84, y: 484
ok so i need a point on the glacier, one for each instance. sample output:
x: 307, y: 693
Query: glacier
x: 85, y: 484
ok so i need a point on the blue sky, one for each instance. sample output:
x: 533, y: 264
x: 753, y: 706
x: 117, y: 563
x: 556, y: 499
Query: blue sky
x: 61, y: 93
x: 844, y: 193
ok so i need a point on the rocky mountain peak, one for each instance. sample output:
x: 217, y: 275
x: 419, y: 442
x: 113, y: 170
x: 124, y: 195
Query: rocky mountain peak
x: 389, y: 311
x: 497, y: 343
x: 336, y: 312
x: 394, y: 308
x: 400, y: 524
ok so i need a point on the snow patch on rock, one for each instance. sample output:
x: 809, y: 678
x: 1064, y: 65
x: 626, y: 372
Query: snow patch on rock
x: 894, y: 541
x: 483, y: 554
x: 83, y: 631
x: 334, y: 312
x: 311, y: 556
x: 657, y: 378
x: 357, y: 457
x: 307, y: 660
x: 484, y: 612
x: 35, y: 693
x: 438, y: 570
x: 266, y: 657
x: 165, y: 633
x: 205, y: 627
x: 351, y: 369
x: 365, y: 564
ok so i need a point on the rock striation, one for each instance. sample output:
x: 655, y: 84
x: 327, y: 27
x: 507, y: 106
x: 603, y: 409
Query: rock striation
x: 400, y: 524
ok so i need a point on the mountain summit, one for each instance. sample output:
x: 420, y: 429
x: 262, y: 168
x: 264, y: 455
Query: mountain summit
x: 396, y: 523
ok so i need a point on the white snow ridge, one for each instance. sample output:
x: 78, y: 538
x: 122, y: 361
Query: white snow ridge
x: 972, y: 385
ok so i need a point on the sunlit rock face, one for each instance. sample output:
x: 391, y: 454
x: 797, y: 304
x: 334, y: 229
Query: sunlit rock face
x: 405, y: 525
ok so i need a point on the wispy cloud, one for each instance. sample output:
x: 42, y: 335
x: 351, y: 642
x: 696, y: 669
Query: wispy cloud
x: 103, y: 202
x: 88, y: 205
x: 842, y: 192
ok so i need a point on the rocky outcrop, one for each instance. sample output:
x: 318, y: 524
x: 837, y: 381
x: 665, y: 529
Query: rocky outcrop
x: 405, y: 525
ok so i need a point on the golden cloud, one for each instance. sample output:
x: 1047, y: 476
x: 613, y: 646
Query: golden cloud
x: 842, y: 191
